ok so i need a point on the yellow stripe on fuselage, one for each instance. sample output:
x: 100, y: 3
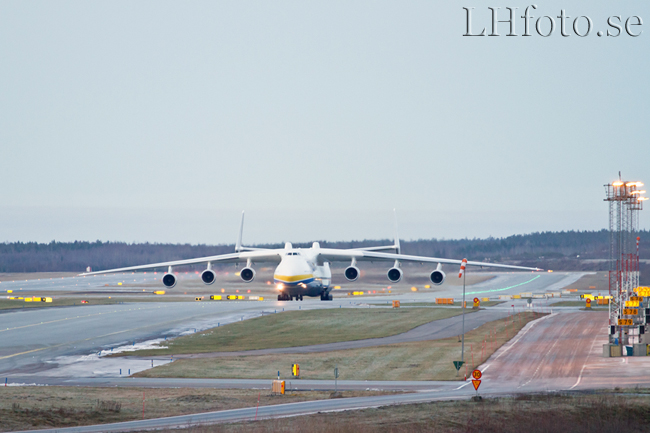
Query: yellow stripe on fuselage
x: 292, y: 278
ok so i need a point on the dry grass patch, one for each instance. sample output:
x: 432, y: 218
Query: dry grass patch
x: 302, y: 328
x: 422, y: 360
x: 23, y: 408
x: 598, y: 280
x: 602, y: 413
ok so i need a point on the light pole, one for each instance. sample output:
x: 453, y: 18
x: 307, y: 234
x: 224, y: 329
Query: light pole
x: 462, y: 274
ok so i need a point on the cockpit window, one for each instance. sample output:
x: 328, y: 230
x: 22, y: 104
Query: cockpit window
x: 293, y: 254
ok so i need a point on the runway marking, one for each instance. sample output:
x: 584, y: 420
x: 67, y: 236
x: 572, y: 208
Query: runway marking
x: 23, y: 353
x: 500, y: 290
x: 463, y: 385
x: 541, y: 362
x: 522, y: 333
x: 585, y: 364
x: 70, y: 318
x: 85, y: 339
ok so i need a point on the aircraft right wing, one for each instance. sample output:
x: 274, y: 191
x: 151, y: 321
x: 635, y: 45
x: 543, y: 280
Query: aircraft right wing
x: 336, y: 255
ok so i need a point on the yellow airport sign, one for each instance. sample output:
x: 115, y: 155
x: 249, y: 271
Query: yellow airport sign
x: 642, y: 290
x: 631, y: 303
x: 625, y: 322
x: 636, y: 298
x: 631, y: 311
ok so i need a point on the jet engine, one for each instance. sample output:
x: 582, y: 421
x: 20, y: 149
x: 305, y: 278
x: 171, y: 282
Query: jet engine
x: 208, y: 276
x: 247, y: 274
x: 437, y: 277
x: 352, y: 273
x: 394, y: 275
x: 169, y: 280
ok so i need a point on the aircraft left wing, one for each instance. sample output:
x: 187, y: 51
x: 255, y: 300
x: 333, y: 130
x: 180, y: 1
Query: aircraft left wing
x: 243, y: 256
x: 336, y: 255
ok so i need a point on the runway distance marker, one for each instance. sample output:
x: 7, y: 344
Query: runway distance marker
x: 630, y: 311
x: 625, y: 322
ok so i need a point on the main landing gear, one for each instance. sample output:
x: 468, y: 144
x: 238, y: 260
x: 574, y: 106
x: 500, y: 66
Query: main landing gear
x: 326, y: 297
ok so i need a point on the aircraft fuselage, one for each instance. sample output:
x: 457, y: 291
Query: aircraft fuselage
x: 299, y: 274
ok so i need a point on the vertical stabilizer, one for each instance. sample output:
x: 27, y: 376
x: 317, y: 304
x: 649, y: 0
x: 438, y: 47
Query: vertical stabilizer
x: 238, y: 245
x: 398, y: 249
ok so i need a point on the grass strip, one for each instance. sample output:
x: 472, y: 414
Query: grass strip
x: 421, y: 360
x: 302, y: 328
x: 599, y: 413
x: 28, y: 407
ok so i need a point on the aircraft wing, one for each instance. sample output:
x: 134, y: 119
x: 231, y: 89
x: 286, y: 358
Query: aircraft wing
x: 336, y: 255
x: 244, y: 256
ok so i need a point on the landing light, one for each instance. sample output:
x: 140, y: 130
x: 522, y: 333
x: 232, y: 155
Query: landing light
x: 280, y: 286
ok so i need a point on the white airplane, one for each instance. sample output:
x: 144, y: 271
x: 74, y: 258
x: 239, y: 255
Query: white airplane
x: 306, y: 272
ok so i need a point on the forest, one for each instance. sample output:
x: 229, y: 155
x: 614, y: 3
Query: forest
x: 567, y: 250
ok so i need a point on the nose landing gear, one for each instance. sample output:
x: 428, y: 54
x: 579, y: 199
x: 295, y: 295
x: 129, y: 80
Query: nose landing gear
x: 326, y: 297
x: 286, y: 297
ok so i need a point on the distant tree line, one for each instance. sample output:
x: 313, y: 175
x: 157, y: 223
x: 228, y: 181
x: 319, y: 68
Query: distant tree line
x: 570, y: 250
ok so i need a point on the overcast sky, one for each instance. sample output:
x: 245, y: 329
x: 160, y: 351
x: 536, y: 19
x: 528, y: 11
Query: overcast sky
x: 161, y: 121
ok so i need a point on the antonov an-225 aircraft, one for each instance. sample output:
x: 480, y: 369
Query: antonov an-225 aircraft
x: 306, y: 272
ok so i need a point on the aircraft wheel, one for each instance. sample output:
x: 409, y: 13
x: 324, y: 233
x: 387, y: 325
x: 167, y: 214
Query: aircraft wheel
x: 301, y: 297
x: 279, y: 297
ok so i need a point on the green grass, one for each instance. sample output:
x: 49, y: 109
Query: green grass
x: 302, y: 328
x: 419, y: 360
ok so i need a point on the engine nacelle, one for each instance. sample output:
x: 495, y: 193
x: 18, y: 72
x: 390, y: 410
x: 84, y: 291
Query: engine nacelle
x: 352, y: 273
x: 169, y: 280
x: 437, y: 277
x: 247, y: 274
x: 394, y: 275
x: 208, y: 276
